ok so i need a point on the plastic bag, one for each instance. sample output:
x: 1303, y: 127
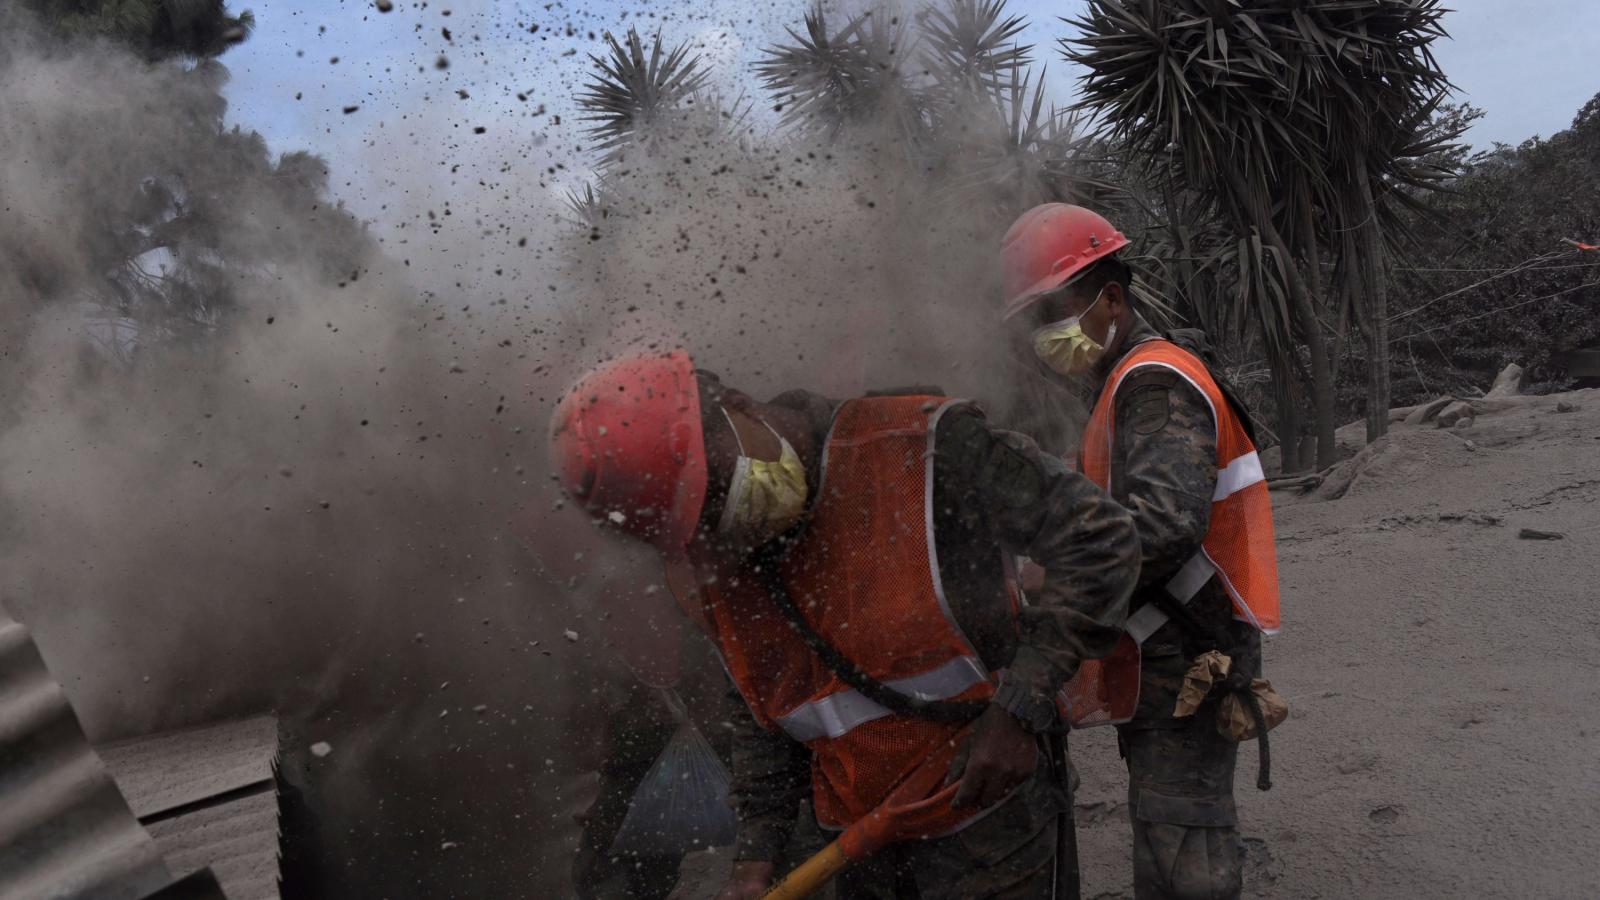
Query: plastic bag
x: 1235, y: 721
x: 682, y: 803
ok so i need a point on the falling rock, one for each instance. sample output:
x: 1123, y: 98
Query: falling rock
x: 1508, y: 383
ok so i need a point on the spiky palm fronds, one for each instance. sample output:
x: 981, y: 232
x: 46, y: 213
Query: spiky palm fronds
x: 1280, y: 114
x: 826, y: 80
x: 971, y: 45
x: 1009, y: 152
x: 630, y: 91
x: 589, y: 208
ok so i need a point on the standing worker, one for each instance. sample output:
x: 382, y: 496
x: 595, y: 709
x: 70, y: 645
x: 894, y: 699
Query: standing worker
x: 848, y: 561
x: 1172, y: 445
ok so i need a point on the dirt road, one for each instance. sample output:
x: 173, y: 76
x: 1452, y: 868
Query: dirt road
x: 1444, y: 676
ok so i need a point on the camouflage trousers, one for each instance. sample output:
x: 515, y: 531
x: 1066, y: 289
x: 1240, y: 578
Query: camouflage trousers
x: 1009, y: 854
x: 1180, y: 797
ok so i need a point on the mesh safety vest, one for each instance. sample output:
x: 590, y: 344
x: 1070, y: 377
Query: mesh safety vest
x: 865, y: 575
x: 1238, y: 547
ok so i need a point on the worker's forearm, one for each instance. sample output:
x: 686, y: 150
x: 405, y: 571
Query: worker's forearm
x: 770, y: 776
x: 1089, y: 550
x: 1084, y: 541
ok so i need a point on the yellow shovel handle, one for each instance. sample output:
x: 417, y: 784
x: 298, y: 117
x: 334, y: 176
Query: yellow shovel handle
x: 809, y: 876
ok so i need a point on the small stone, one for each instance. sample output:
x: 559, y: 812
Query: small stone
x: 321, y: 749
x: 449, y: 845
x: 456, y: 367
x: 1565, y: 407
x: 417, y: 637
x: 1384, y: 815
x: 481, y: 708
x: 1533, y: 534
x: 570, y: 635
x: 385, y: 6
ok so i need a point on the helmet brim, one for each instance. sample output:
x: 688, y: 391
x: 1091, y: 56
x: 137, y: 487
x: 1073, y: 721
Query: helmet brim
x: 1056, y: 280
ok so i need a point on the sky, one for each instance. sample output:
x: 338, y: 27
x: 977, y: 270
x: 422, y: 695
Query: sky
x: 1528, y: 65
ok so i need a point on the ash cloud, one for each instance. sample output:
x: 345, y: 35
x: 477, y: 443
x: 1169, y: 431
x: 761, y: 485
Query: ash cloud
x: 272, y: 463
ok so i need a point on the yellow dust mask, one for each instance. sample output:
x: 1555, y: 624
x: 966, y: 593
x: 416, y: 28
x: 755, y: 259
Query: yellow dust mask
x: 765, y: 498
x: 1065, y: 348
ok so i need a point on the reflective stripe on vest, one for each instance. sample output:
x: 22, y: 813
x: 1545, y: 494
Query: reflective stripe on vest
x: 838, y: 713
x: 1241, y: 530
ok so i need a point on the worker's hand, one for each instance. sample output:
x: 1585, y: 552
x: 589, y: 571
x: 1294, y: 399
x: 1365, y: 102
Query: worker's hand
x: 750, y: 879
x: 998, y: 756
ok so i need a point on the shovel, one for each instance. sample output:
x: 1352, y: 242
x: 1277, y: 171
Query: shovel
x: 918, y: 807
x: 908, y: 812
x: 911, y: 812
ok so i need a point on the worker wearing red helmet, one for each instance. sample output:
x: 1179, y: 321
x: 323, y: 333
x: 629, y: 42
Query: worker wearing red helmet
x: 849, y: 562
x: 1169, y: 442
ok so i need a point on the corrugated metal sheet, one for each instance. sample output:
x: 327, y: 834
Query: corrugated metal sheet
x: 65, y: 830
x: 209, y: 796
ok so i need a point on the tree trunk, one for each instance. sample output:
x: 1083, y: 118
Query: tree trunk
x: 1377, y: 313
x: 1311, y: 329
x: 1288, y: 422
x: 1303, y: 310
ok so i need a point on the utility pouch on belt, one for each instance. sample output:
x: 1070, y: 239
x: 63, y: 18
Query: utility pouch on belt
x: 1249, y: 708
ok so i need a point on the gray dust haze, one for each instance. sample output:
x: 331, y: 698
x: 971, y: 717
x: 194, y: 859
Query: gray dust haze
x: 321, y: 489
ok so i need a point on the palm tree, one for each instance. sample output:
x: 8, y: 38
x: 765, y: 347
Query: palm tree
x: 632, y: 97
x: 826, y: 80
x: 1272, y: 114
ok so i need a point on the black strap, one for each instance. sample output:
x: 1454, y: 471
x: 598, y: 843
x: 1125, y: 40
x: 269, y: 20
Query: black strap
x: 767, y: 567
x: 1238, y: 683
x: 1068, y: 882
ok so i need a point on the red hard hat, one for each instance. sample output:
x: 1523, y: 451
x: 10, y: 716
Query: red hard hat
x: 626, y: 443
x: 1047, y: 246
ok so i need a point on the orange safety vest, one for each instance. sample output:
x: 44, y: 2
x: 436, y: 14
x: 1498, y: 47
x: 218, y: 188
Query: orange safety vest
x: 865, y: 574
x: 1238, y: 547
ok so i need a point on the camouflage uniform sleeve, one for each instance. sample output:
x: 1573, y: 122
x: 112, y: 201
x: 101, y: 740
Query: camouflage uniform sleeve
x: 770, y: 776
x: 1085, y: 542
x: 1165, y: 468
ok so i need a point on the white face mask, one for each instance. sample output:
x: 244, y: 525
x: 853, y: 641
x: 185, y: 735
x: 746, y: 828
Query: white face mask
x: 765, y: 497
